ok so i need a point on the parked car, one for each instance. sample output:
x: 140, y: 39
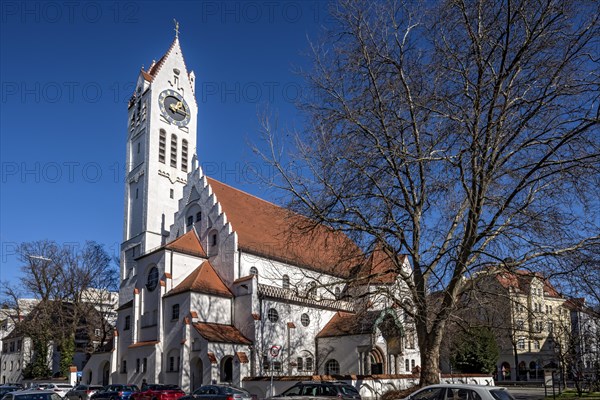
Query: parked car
x: 116, y: 391
x: 218, y: 392
x: 60, y: 388
x: 9, y: 388
x: 82, y: 392
x: 461, y: 392
x: 322, y: 389
x: 32, y: 394
x: 155, y: 391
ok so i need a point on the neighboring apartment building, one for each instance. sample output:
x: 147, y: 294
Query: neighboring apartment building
x: 92, y: 331
x: 585, y: 336
x: 528, y: 316
x: 219, y: 285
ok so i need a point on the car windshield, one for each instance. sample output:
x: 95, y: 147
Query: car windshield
x: 501, y: 394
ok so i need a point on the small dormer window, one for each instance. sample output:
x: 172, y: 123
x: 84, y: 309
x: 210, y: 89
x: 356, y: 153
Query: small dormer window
x: 254, y: 271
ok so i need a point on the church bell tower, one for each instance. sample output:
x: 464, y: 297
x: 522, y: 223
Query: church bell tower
x: 161, y: 144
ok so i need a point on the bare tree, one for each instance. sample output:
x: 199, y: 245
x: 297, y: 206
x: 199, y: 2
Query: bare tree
x: 73, y: 287
x: 458, y: 132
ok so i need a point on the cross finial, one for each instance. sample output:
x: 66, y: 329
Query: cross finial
x: 176, y: 28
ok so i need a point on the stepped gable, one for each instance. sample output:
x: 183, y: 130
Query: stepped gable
x: 270, y: 231
x: 203, y: 279
x: 220, y: 333
x: 345, y: 324
x: 521, y: 280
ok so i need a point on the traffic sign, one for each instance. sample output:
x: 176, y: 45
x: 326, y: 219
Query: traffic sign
x: 274, y: 351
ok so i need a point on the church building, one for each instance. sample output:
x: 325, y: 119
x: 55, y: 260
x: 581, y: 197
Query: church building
x: 218, y: 285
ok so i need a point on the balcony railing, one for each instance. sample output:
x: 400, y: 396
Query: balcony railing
x: 292, y: 296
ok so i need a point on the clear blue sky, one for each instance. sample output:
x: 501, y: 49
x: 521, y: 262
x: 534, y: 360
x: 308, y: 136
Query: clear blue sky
x: 67, y: 71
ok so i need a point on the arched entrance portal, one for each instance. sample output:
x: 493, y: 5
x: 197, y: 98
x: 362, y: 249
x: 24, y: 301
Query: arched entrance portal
x: 376, y: 359
x: 227, y: 369
x: 196, y: 373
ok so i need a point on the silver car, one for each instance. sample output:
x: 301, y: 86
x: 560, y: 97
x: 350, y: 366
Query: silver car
x: 461, y: 392
x: 82, y: 392
x: 34, y: 394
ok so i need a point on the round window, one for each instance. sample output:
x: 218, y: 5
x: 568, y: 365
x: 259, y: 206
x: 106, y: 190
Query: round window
x: 152, y: 281
x: 305, y: 319
x: 273, y: 315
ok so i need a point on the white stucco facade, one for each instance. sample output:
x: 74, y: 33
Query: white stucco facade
x: 207, y: 288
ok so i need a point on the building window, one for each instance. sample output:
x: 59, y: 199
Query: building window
x: 190, y: 221
x: 152, y: 281
x: 214, y: 239
x: 536, y: 345
x: 137, y: 365
x: 521, y: 344
x: 19, y: 344
x: 139, y: 147
x: 137, y: 192
x: 276, y: 365
x: 407, y: 365
x: 162, y: 145
x: 171, y: 193
x: 254, y: 271
x: 127, y: 323
x: 174, y: 151
x: 305, y: 319
x: 312, y: 290
x: 184, y: 155
x: 299, y: 362
x: 198, y: 216
x: 308, y: 364
x: 124, y: 366
x: 273, y: 315
x: 175, y: 311
x: 412, y: 365
x: 550, y: 326
x: 520, y: 325
x: 332, y: 367
x: 337, y: 292
x: 144, y: 365
x: 286, y: 282
x: 171, y: 367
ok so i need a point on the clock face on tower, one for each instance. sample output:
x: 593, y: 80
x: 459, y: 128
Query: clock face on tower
x: 174, y: 108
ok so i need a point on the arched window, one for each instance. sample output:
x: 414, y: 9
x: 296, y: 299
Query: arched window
x: 332, y: 367
x: 173, y: 361
x: 152, y: 281
x: 184, y: 155
x: 254, y: 271
x: 174, y: 151
x: 286, y: 282
x: 162, y: 146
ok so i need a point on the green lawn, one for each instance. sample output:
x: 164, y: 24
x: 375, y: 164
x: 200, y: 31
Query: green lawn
x: 572, y: 394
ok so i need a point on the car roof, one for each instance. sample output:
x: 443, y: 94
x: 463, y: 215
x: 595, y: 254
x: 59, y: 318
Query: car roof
x: 464, y: 386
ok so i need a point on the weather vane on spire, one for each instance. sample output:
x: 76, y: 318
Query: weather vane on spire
x: 176, y: 28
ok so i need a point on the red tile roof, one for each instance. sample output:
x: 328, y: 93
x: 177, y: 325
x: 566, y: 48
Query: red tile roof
x: 345, y: 324
x: 220, y: 333
x: 521, y: 280
x: 271, y: 231
x: 379, y: 268
x: 203, y: 279
x: 188, y: 243
x: 242, y: 357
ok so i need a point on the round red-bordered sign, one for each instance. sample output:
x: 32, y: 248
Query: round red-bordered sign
x: 274, y: 351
